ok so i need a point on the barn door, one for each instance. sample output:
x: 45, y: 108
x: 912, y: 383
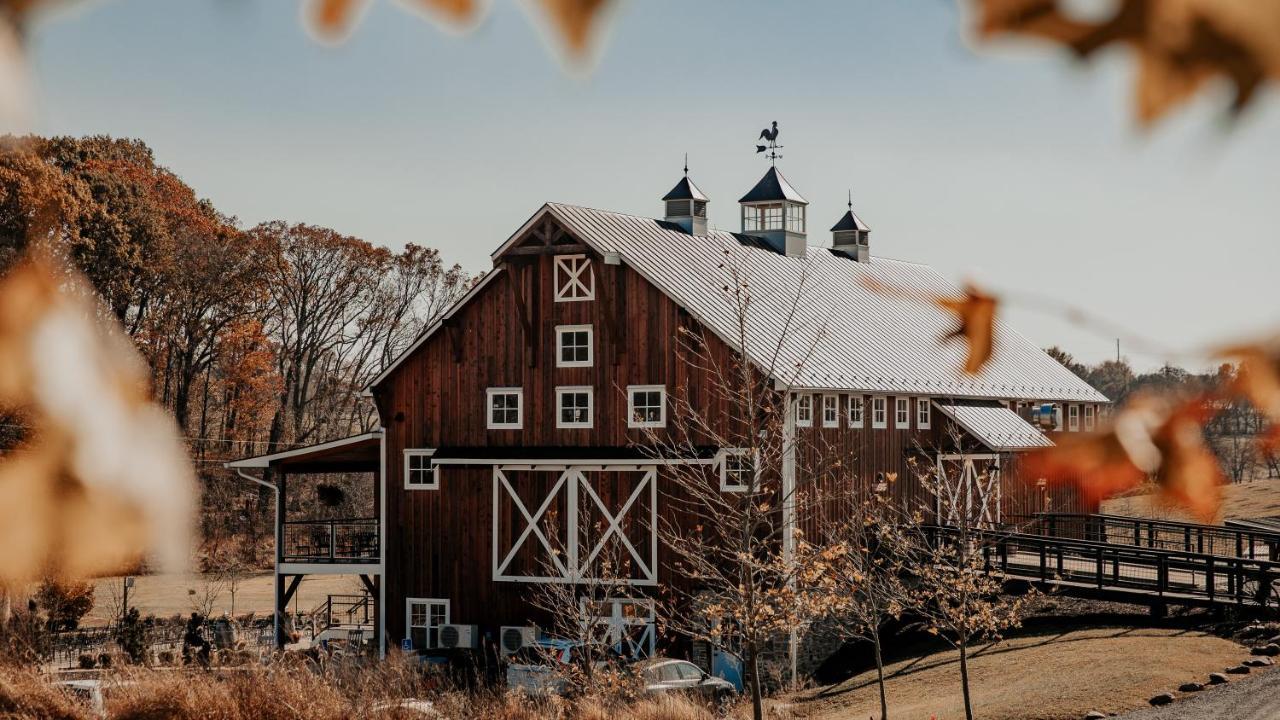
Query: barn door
x: 624, y: 624
x: 570, y: 523
x: 968, y: 490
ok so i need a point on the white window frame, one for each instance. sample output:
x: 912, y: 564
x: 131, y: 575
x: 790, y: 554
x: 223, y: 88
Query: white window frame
x: 434, y: 483
x: 722, y: 469
x: 488, y: 408
x: 804, y: 410
x: 561, y: 331
x: 902, y: 413
x: 632, y: 422
x: 830, y: 411
x: 1090, y: 418
x: 879, y: 412
x: 408, y: 618
x: 1073, y: 418
x: 563, y: 390
x: 574, y: 288
x: 924, y: 413
x: 856, y: 411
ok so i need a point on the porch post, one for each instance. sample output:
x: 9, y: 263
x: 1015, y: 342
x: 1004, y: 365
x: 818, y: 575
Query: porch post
x: 788, y: 505
x: 278, y: 595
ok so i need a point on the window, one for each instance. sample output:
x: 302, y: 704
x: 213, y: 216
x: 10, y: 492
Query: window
x: 1089, y: 420
x: 505, y: 408
x: 573, y: 407
x: 855, y: 411
x: 1073, y: 418
x: 762, y: 217
x: 425, y: 618
x: 879, y: 412
x: 646, y: 406
x: 419, y: 472
x: 737, y: 468
x: 804, y: 410
x: 902, y: 413
x: 795, y: 217
x: 924, y: 411
x: 830, y: 411
x: 574, y: 280
x: 573, y: 346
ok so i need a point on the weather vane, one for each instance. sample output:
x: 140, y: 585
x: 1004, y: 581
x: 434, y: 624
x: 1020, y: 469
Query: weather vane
x: 771, y: 135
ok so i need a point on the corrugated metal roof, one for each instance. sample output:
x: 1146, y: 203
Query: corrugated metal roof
x: 833, y: 331
x: 773, y: 187
x: 998, y: 427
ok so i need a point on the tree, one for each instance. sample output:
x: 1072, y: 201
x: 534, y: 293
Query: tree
x: 64, y: 602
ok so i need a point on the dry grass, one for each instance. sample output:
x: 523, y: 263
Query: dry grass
x: 1259, y: 497
x: 1038, y: 677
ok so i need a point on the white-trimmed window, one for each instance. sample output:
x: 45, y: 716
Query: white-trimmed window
x: 737, y: 467
x: 574, y: 407
x: 646, y: 406
x: 505, y: 408
x: 424, y: 617
x: 574, y: 279
x: 855, y: 410
x: 902, y: 413
x: 830, y: 411
x: 420, y: 473
x: 1073, y: 418
x: 924, y: 413
x: 804, y: 411
x: 1090, y: 418
x: 573, y: 345
x: 879, y: 412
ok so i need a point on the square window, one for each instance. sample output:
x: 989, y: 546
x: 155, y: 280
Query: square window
x: 879, y: 412
x: 804, y: 410
x: 924, y: 413
x: 574, y: 279
x: 737, y: 469
x: 426, y: 617
x: 855, y: 411
x: 573, y: 407
x: 646, y: 406
x: 1090, y: 421
x: 902, y: 413
x: 830, y: 411
x: 419, y: 472
x: 573, y: 345
x: 505, y: 408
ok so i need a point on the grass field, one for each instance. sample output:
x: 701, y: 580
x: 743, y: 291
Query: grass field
x: 1044, y: 676
x: 1251, y: 499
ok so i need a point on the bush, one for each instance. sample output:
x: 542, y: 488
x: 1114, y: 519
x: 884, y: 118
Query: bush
x: 86, y: 661
x: 64, y: 602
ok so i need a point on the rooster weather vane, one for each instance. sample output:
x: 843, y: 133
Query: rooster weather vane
x: 771, y: 135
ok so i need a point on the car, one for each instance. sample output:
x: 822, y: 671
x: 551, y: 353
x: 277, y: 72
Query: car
x: 547, y: 666
x: 665, y: 675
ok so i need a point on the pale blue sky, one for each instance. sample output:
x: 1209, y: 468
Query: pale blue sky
x: 1013, y: 166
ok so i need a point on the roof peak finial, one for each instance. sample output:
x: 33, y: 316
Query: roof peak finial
x: 686, y: 164
x: 850, y: 198
x: 771, y: 135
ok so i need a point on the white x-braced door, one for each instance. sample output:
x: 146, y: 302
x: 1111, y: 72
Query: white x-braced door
x: 570, y: 523
x: 968, y: 490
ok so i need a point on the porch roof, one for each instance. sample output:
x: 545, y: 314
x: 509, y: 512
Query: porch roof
x: 358, y: 453
x: 996, y: 426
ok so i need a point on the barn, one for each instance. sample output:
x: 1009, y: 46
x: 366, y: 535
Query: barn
x: 526, y: 415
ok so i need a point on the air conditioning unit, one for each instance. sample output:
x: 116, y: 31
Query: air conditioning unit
x: 513, y: 637
x: 454, y: 637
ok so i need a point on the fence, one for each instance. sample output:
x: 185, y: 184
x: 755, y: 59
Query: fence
x: 330, y: 541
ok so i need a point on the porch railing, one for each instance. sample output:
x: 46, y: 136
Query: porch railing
x: 330, y: 541
x: 1156, y: 534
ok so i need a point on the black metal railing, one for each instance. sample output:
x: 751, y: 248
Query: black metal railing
x: 1155, y: 534
x: 353, y: 613
x: 330, y: 541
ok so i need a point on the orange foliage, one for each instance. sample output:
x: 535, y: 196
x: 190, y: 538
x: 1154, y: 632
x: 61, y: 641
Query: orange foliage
x: 976, y: 312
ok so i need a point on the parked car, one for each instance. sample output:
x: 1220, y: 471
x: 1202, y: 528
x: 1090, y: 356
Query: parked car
x: 91, y: 692
x: 547, y: 666
x: 664, y: 675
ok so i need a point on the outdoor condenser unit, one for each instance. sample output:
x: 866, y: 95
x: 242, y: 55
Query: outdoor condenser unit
x: 514, y: 637
x: 454, y: 637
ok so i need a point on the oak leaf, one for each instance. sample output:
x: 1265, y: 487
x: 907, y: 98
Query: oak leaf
x: 976, y: 313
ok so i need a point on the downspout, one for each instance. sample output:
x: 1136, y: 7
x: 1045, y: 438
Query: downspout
x: 275, y: 580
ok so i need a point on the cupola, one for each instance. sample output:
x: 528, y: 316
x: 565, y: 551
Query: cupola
x: 686, y: 206
x: 851, y: 237
x: 775, y: 212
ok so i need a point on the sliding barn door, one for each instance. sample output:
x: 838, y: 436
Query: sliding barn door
x: 968, y: 490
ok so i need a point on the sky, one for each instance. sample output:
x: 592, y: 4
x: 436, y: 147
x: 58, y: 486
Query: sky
x: 1009, y: 165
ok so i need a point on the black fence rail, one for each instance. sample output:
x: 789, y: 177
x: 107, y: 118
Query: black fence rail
x: 1131, y: 573
x: 345, y: 611
x: 1228, y: 542
x: 330, y: 541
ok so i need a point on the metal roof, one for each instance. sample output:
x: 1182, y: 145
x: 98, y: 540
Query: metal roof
x: 343, y: 455
x: 849, y: 221
x: 842, y: 335
x: 773, y: 187
x: 685, y: 190
x: 996, y: 426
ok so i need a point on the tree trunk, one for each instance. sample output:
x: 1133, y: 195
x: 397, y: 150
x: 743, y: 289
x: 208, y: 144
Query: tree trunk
x: 884, y: 702
x: 757, y: 695
x: 964, y: 679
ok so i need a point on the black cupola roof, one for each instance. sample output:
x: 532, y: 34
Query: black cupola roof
x: 685, y: 190
x: 850, y: 221
x: 773, y: 187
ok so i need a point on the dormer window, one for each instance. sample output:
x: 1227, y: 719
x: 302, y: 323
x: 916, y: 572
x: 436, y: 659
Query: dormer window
x: 574, y: 279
